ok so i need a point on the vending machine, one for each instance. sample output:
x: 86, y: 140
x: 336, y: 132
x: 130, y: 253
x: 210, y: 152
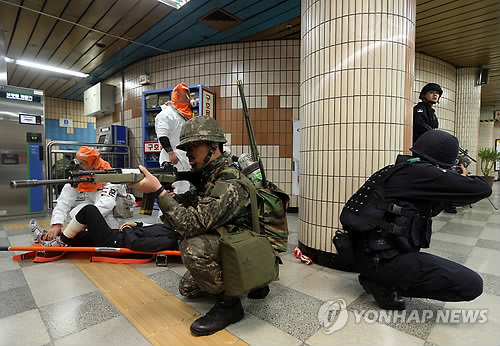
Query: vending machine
x: 22, y: 141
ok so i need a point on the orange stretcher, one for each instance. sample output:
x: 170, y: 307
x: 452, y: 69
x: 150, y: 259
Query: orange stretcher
x: 41, y: 253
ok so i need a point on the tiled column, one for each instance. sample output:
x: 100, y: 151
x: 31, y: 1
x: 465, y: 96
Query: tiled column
x: 468, y: 111
x: 357, y: 74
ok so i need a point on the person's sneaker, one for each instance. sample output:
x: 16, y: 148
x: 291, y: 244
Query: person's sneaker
x: 38, y: 234
x: 54, y: 243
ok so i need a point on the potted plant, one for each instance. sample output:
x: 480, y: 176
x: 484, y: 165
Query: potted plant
x: 488, y: 159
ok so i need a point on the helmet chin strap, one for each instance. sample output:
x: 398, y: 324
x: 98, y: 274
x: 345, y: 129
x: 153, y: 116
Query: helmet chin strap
x: 212, y: 150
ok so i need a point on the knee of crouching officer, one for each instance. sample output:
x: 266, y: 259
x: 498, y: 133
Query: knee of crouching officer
x: 474, y: 287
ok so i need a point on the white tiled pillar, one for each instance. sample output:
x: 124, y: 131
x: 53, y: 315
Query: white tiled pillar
x: 357, y: 75
x: 468, y: 111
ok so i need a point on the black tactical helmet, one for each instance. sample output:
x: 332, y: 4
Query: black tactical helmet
x: 200, y: 129
x: 438, y: 147
x: 431, y: 86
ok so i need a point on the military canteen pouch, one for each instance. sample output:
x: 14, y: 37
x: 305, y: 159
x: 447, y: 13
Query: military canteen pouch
x: 248, y: 261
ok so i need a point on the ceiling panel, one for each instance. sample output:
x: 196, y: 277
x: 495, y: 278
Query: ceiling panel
x: 464, y: 34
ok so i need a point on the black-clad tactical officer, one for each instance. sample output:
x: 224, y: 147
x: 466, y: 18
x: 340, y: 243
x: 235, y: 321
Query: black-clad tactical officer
x: 390, y: 220
x: 424, y: 117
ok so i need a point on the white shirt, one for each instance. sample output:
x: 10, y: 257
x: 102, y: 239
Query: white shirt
x: 168, y: 123
x: 104, y: 199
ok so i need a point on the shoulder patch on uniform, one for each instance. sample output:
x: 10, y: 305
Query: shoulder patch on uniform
x: 219, y: 189
x: 420, y: 110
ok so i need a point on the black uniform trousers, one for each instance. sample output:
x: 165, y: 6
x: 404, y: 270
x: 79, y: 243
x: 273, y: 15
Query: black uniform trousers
x: 98, y: 232
x: 423, y: 275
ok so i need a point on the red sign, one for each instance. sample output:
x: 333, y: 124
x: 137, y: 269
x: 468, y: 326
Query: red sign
x: 152, y: 147
x: 207, y: 102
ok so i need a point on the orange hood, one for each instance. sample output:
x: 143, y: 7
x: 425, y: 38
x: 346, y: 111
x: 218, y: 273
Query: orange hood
x: 181, y: 100
x: 95, y: 163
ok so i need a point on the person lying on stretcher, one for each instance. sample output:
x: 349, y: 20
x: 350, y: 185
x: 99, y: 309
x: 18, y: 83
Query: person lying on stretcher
x: 132, y: 235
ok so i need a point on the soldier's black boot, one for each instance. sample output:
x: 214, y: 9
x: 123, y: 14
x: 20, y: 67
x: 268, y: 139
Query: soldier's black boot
x: 227, y: 310
x: 386, y: 298
x: 259, y: 293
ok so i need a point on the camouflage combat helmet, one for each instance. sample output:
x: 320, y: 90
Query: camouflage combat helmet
x: 200, y: 129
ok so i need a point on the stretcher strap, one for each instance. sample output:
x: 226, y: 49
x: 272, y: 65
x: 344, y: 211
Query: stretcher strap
x: 43, y: 257
x: 124, y: 260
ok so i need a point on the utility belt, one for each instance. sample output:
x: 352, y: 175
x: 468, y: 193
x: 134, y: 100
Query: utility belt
x: 406, y: 231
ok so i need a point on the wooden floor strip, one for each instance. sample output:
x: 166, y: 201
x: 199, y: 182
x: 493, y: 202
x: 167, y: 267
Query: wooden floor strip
x: 161, y: 317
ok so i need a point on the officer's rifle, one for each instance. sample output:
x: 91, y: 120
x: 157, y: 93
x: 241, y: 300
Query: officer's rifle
x: 463, y: 159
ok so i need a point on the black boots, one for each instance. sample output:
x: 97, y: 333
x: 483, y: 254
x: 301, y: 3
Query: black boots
x: 227, y: 310
x: 259, y: 293
x: 386, y: 298
x: 450, y: 209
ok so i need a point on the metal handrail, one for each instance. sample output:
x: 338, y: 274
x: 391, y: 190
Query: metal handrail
x: 98, y: 146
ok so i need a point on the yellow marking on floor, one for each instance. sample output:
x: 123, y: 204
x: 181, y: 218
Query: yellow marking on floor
x: 161, y: 317
x: 42, y: 224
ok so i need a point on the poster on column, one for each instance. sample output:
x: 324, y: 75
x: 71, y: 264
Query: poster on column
x: 296, y: 157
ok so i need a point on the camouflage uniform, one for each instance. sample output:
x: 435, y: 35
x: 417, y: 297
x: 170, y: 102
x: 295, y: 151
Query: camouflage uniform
x: 221, y: 202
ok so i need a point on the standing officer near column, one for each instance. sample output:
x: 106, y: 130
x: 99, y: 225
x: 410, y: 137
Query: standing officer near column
x: 424, y: 117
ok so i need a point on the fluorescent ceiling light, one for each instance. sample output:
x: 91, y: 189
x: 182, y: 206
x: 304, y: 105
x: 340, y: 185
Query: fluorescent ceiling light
x: 46, y: 67
x: 174, y: 3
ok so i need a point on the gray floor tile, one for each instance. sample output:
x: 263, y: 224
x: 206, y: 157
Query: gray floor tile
x: 489, y: 244
x: 168, y: 280
x: 18, y: 231
x: 25, y: 328
x: 491, y: 284
x: 287, y: 309
x: 4, y: 242
x: 16, y: 300
x: 418, y: 329
x: 11, y: 279
x: 73, y: 315
x: 471, y: 216
x: 461, y: 229
x: 116, y: 331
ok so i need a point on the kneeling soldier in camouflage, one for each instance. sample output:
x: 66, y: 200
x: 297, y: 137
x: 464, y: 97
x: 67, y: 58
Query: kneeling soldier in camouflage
x: 219, y: 201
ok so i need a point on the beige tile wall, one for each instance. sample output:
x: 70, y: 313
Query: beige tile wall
x: 431, y: 70
x: 270, y: 73
x: 356, y: 101
x: 468, y: 111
